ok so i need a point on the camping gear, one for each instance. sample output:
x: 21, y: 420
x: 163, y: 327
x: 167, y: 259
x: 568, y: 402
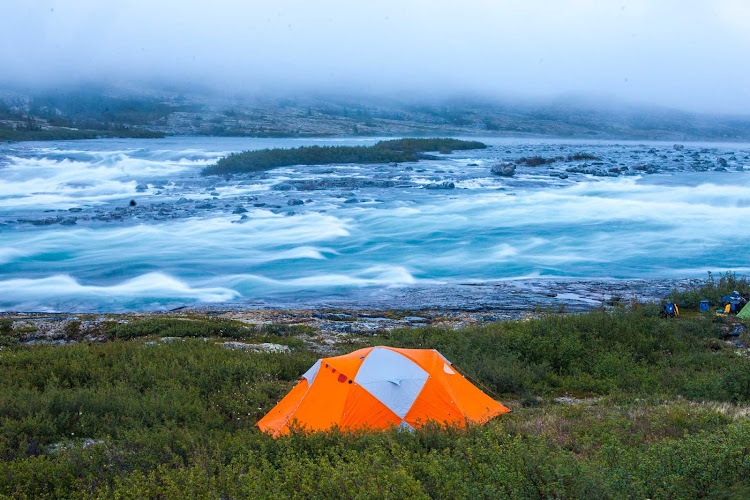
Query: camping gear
x: 735, y: 301
x: 728, y: 301
x: 704, y: 306
x: 377, y: 388
x: 745, y: 312
x: 671, y: 310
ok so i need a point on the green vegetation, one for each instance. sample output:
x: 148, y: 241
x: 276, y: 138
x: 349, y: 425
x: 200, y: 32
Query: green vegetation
x: 536, y: 161
x: 65, y: 134
x: 398, y: 150
x: 221, y: 328
x: 712, y: 290
x: 662, y: 413
x: 84, y: 114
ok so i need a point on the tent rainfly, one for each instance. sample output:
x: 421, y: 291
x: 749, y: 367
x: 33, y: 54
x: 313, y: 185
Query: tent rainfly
x: 745, y: 312
x: 380, y: 387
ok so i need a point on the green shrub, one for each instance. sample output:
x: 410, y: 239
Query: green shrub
x: 712, y: 290
x: 397, y: 150
x: 128, y: 419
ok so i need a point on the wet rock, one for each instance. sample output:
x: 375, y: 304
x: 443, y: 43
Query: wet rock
x: 141, y: 187
x: 342, y: 183
x: 352, y: 200
x: 722, y: 162
x: 561, y: 175
x: 204, y: 206
x: 44, y: 222
x: 75, y: 209
x: 239, y: 210
x: 441, y: 185
x: 503, y: 169
x: 282, y: 187
x: 68, y: 221
x: 737, y: 330
x: 132, y: 203
x: 293, y: 202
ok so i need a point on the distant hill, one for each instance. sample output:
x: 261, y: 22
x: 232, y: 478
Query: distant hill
x: 96, y: 111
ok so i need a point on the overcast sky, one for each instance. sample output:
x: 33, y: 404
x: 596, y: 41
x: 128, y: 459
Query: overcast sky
x: 689, y: 54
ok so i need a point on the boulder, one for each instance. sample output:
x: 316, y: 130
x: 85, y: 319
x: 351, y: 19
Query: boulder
x: 441, y: 185
x: 239, y: 210
x: 293, y: 202
x: 503, y: 169
x: 141, y: 187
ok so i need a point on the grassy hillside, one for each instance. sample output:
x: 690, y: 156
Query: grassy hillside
x: 66, y: 134
x: 399, y: 150
x: 606, y: 405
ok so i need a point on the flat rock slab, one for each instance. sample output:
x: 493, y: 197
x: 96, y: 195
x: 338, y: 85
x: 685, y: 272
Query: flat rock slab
x: 264, y: 347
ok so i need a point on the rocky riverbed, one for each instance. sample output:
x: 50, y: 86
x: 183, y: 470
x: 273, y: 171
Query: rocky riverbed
x: 121, y: 225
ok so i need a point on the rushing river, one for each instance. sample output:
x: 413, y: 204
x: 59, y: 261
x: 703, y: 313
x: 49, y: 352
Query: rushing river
x: 315, y: 236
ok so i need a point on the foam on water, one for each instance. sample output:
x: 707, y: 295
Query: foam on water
x: 488, y: 229
x: 75, y: 177
x: 62, y: 291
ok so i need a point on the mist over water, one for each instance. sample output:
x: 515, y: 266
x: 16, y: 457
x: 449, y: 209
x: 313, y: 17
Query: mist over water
x: 69, y: 241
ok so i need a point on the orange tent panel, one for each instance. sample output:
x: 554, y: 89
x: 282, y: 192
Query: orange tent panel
x: 380, y: 387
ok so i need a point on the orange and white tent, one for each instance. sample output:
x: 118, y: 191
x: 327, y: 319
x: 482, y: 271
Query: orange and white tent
x: 380, y: 387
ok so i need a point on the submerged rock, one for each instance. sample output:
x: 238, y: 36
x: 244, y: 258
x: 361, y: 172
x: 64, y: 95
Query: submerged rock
x: 441, y: 185
x: 503, y: 169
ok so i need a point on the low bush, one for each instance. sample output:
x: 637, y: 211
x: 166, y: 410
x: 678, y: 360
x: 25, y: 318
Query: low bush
x: 661, y: 413
x: 712, y: 290
x: 397, y: 150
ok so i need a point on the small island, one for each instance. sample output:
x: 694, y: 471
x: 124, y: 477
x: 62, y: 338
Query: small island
x: 396, y: 150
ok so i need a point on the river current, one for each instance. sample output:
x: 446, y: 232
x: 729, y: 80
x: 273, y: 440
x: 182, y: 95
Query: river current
x: 356, y: 235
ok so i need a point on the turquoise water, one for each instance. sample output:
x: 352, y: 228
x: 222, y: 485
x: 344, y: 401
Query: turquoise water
x: 68, y: 240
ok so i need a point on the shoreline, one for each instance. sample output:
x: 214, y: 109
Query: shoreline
x: 513, y: 298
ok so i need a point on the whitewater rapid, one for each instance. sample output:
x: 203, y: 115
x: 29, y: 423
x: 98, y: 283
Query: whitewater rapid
x: 69, y: 240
